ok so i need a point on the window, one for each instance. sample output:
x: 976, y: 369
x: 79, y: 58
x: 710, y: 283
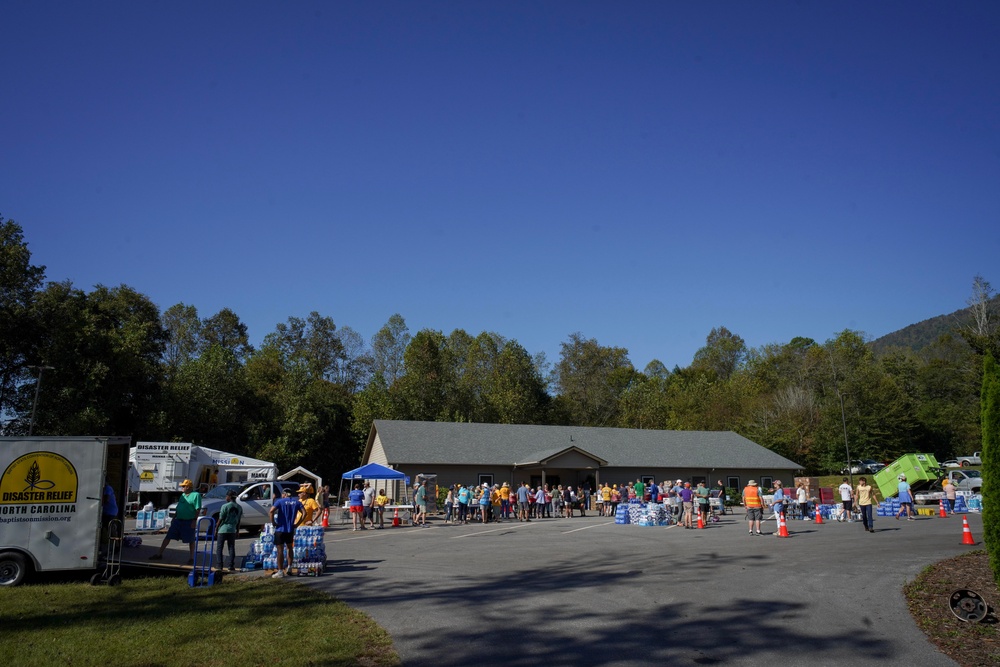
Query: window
x: 766, y: 482
x: 733, y: 483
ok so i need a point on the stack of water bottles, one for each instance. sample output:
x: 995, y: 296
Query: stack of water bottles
x: 888, y: 507
x: 308, y: 551
x: 621, y: 515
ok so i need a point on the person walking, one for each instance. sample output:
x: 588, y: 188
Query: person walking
x: 286, y: 514
x: 864, y: 496
x: 846, y: 498
x: 183, y: 526
x: 449, y: 505
x: 228, y: 528
x: 754, y: 504
x: 905, y: 499
x: 950, y: 495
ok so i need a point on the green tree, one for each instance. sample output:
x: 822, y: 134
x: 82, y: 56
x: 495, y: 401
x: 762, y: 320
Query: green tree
x: 389, y: 346
x: 312, y: 343
x: 426, y: 387
x: 19, y: 280
x: 209, y: 401
x: 226, y: 330
x: 183, y: 328
x: 105, y: 349
x: 591, y: 380
x: 990, y: 420
x: 723, y: 354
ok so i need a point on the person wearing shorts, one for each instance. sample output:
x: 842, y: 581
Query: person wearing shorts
x: 286, y: 514
x: 846, y: 497
x: 754, y: 504
x: 355, y: 501
x: 183, y: 526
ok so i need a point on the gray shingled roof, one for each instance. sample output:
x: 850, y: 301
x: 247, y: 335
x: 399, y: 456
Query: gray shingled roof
x: 448, y: 443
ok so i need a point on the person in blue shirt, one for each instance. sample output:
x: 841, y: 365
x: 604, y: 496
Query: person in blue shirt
x: 286, y: 514
x: 356, y: 504
x: 778, y: 504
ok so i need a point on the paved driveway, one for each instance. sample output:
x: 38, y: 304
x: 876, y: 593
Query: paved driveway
x: 587, y: 592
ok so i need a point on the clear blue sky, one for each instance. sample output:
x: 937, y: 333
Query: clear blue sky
x: 639, y: 172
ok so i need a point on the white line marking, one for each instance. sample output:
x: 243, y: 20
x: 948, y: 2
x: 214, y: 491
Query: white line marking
x: 596, y: 525
x: 484, y: 532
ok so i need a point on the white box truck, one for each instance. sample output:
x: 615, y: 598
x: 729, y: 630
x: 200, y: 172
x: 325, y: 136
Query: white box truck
x: 51, y: 492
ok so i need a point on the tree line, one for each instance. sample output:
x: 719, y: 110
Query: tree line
x: 110, y: 362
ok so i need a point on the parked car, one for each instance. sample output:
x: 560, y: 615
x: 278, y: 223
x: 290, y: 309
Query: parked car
x: 974, y: 460
x: 951, y: 463
x: 862, y: 467
x: 255, y: 499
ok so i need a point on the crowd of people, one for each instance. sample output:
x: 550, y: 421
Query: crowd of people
x: 783, y: 502
x: 503, y: 502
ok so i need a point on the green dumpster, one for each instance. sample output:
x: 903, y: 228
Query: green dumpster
x: 920, y: 469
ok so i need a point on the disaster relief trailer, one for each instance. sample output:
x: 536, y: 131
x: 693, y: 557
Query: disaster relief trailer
x: 160, y: 467
x: 51, y: 492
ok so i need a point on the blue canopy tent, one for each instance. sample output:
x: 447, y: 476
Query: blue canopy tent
x: 375, y: 471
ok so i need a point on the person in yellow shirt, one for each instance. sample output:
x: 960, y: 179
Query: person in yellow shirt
x: 310, y: 513
x: 606, y: 499
x: 505, y: 501
x: 381, y: 500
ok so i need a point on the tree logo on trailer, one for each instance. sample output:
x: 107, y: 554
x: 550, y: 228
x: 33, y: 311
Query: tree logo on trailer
x: 39, y: 477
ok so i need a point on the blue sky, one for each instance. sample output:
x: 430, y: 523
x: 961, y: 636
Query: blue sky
x: 639, y: 172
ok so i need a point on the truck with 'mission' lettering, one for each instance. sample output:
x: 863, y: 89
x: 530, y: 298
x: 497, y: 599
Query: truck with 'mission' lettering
x: 51, y: 493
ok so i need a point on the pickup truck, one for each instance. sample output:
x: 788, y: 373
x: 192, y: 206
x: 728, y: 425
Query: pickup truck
x: 974, y: 460
x: 969, y: 481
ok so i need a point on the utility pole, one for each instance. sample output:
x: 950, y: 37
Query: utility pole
x: 38, y: 386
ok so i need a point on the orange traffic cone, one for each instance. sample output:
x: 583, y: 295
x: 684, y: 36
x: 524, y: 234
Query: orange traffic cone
x: 966, y: 532
x: 395, y: 518
x: 941, y: 512
x: 782, y: 528
x: 326, y: 517
x: 701, y: 522
x: 819, y: 517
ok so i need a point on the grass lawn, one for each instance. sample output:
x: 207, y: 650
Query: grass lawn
x: 163, y: 622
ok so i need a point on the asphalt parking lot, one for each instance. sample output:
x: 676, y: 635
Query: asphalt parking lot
x: 587, y: 592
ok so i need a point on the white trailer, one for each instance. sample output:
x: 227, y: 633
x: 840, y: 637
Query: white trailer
x: 51, y: 492
x: 161, y: 466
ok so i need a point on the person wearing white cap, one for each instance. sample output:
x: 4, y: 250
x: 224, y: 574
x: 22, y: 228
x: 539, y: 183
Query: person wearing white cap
x: 905, y: 499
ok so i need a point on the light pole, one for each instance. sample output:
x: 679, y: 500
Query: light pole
x: 843, y: 419
x: 38, y: 386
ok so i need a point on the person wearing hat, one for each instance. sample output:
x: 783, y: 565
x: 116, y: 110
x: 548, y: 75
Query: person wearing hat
x: 504, y: 492
x: 183, y: 526
x: 310, y: 508
x: 905, y: 499
x: 754, y: 504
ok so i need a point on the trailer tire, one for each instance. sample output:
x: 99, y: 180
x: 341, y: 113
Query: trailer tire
x: 13, y: 568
